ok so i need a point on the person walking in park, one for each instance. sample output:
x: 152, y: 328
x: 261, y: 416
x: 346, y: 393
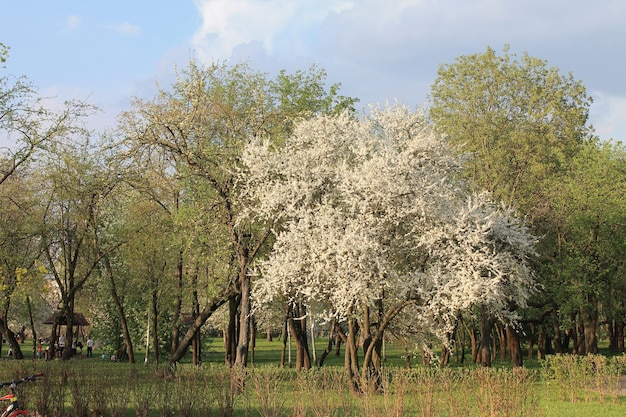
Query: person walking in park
x: 89, y: 347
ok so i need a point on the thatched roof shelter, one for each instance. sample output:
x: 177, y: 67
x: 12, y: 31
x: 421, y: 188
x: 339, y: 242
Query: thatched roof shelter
x: 61, y: 319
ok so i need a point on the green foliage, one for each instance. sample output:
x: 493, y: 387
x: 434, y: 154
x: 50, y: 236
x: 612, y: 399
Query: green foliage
x: 4, y: 53
x: 519, y: 119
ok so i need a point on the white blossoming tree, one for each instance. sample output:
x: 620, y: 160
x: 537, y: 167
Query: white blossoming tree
x: 374, y: 220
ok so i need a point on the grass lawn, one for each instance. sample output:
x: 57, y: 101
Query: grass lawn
x: 270, y: 390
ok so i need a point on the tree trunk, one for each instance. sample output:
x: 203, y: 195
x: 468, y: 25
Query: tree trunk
x: 32, y: 325
x: 297, y: 325
x: 590, y: 323
x: 472, y: 335
x: 195, y: 311
x: 178, y: 304
x: 231, y: 334
x: 244, y: 318
x: 515, y: 349
x: 119, y: 308
x: 154, y: 316
x: 329, y: 346
x: 351, y: 358
x: 10, y: 338
x: 253, y: 332
x: 485, y: 340
x: 612, y: 334
x: 541, y: 343
x: 268, y: 334
x: 531, y: 340
x: 445, y: 355
x: 502, y: 337
x: 556, y: 328
x: 199, y: 321
x: 619, y: 334
x: 283, y: 353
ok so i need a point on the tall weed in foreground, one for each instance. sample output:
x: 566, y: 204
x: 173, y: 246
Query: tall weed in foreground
x: 506, y: 392
x: 43, y: 396
x: 455, y: 395
x: 144, y: 398
x: 584, y: 378
x: 77, y: 383
x: 267, y: 386
x: 394, y: 388
x: 117, y: 400
x: 226, y: 385
x: 321, y: 392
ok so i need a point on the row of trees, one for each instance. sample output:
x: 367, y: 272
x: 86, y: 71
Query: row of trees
x: 263, y: 202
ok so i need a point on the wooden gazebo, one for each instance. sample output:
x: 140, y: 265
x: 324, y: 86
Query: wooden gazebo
x: 61, y: 319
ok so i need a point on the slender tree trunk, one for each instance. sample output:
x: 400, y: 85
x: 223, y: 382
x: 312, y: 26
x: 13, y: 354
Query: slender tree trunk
x: 283, y: 353
x: 556, y: 328
x: 485, y: 340
x: 502, y: 336
x: 472, y: 335
x: 155, y: 320
x: 119, y: 308
x: 329, y: 346
x: 231, y: 335
x: 178, y: 304
x: 612, y: 334
x: 244, y: 317
x: 541, y: 343
x: 253, y: 332
x: 32, y: 325
x: 195, y: 311
x: 531, y: 340
x: 268, y: 334
x: 619, y: 334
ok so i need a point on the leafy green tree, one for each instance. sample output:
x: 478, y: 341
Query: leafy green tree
x: 73, y: 192
x: 202, y: 125
x: 19, y: 251
x: 588, y: 206
x: 520, y: 123
x: 26, y: 127
x: 519, y: 120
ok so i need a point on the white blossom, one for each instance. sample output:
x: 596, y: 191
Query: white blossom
x: 373, y: 208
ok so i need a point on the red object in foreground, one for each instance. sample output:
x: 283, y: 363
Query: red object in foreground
x: 13, y: 409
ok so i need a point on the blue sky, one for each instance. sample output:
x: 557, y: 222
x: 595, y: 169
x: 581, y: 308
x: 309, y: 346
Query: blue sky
x: 106, y: 52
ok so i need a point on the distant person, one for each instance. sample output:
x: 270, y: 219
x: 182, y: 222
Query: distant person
x: 90, y: 347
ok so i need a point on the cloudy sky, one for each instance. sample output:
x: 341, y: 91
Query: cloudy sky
x: 106, y: 52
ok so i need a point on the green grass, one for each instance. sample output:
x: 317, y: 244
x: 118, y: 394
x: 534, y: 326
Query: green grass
x: 272, y: 391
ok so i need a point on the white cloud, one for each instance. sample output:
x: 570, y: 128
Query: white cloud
x: 72, y: 22
x: 228, y: 24
x: 124, y: 28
